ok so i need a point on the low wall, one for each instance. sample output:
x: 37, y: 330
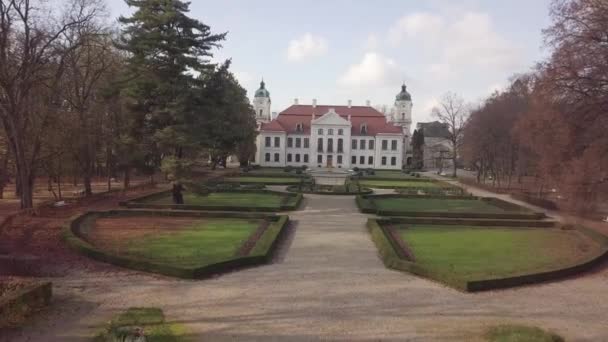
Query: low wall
x: 15, y: 307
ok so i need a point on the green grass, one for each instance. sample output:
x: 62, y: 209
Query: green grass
x: 519, y: 333
x: 473, y: 253
x: 390, y: 174
x: 226, y: 199
x: 151, y: 320
x: 370, y: 183
x: 206, y: 242
x: 264, y: 180
x: 436, y: 205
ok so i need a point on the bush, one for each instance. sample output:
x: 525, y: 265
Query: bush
x: 255, y: 166
x: 304, y: 167
x: 356, y: 169
x: 371, y: 172
x: 298, y: 171
x: 417, y: 175
x: 288, y: 168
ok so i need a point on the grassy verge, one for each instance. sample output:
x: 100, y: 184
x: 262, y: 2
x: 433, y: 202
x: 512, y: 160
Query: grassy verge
x: 264, y: 180
x: 520, y: 333
x: 384, y: 183
x: 226, y: 199
x: 147, y: 322
x: 436, y: 204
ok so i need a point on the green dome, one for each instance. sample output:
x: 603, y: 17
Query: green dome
x: 404, y: 95
x: 262, y: 92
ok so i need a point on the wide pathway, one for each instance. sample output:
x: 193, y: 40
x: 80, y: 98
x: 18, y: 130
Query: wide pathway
x: 327, y: 284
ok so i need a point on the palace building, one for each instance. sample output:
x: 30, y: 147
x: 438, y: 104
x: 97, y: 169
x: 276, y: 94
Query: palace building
x: 333, y: 136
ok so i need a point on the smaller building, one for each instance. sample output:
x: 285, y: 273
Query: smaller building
x: 437, y: 149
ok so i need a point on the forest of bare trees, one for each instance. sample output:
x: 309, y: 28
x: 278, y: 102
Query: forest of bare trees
x: 550, y: 124
x: 80, y: 97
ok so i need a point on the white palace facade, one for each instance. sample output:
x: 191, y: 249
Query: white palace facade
x: 332, y: 136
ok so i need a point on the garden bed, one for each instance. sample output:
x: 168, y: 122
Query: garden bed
x: 444, y: 206
x: 477, y: 258
x: 224, y: 200
x: 19, y: 298
x: 176, y: 243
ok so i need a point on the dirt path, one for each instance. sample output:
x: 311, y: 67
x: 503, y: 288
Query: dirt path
x: 327, y: 284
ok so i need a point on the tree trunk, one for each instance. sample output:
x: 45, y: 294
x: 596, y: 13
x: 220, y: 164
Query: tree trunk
x: 454, y: 165
x: 127, y: 179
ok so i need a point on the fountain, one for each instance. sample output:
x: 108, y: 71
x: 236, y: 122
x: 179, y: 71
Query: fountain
x: 329, y: 176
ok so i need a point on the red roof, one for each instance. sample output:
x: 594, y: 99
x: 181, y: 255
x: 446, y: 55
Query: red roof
x: 288, y: 119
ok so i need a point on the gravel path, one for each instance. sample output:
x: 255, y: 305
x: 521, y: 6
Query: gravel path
x: 327, y: 284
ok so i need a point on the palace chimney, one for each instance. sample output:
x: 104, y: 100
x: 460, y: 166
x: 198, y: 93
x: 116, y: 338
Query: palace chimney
x: 314, y: 103
x: 368, y: 103
x: 350, y: 103
x: 295, y: 101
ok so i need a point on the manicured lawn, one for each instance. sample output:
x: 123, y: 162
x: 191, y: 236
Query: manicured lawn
x: 474, y: 253
x: 519, y: 333
x: 227, y: 199
x: 207, y: 241
x: 265, y: 180
x: 370, y: 183
x: 151, y: 320
x: 390, y: 174
x: 436, y: 204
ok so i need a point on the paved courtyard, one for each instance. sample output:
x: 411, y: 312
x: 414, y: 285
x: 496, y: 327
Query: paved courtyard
x: 327, y: 284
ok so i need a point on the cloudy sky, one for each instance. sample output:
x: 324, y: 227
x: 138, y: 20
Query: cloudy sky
x: 363, y: 50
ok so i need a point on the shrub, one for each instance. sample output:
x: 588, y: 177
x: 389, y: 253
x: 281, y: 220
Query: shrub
x: 356, y: 169
x: 304, y: 167
x: 298, y: 171
x: 288, y: 168
x: 255, y: 166
x: 371, y: 172
x: 417, y: 175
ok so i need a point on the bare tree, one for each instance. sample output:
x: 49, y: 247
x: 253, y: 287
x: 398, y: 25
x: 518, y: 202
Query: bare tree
x: 32, y: 62
x: 453, y: 112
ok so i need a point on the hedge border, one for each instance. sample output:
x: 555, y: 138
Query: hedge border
x: 25, y: 301
x: 289, y: 202
x: 226, y: 181
x: 72, y: 235
x: 293, y: 189
x: 391, y: 259
x: 468, y: 222
x: 366, y: 205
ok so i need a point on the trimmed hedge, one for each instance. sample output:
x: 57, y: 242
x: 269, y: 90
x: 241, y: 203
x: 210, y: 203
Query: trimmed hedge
x: 391, y: 259
x: 295, y: 189
x: 366, y: 205
x: 468, y: 222
x: 262, y: 253
x: 289, y: 201
x: 14, y: 308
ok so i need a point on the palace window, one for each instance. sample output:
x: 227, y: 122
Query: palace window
x: 362, y: 160
x: 384, y: 145
x: 383, y: 160
x: 289, y: 142
x: 394, y: 145
x: 306, y: 143
x: 268, y: 140
x: 320, y: 144
x: 354, y: 146
x: 277, y: 142
x: 370, y: 160
x: 289, y: 157
x: 330, y: 131
x: 330, y: 145
x: 364, y: 128
x: 320, y: 159
x: 340, y: 146
x: 297, y: 158
x: 306, y: 158
x: 298, y: 142
x: 393, y: 161
x: 267, y: 157
x: 362, y: 144
x: 353, y: 160
x: 339, y: 159
x: 371, y: 145
x: 340, y: 131
x: 276, y: 157
x: 300, y: 127
x: 320, y: 131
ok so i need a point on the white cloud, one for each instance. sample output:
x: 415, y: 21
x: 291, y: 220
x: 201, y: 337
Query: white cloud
x: 305, y: 47
x: 426, y: 24
x: 456, y: 44
x: 373, y: 70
